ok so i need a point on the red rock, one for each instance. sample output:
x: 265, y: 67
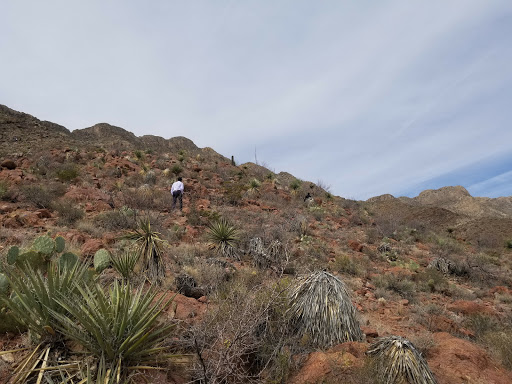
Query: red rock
x: 30, y: 219
x: 203, y: 299
x: 355, y: 245
x: 6, y: 208
x: 188, y: 308
x: 43, y: 213
x: 403, y: 302
x: 468, y: 307
x: 12, y: 222
x: 454, y: 360
x: 369, y: 332
x: 91, y: 246
x: 8, y: 163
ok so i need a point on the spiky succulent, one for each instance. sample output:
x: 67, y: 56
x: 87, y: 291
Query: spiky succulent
x: 399, y: 361
x: 124, y: 263
x: 149, y: 247
x: 118, y: 325
x: 223, y: 237
x: 321, y: 309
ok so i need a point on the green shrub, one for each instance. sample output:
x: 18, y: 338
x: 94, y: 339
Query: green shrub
x: 43, y: 196
x: 176, y: 169
x: 67, y: 172
x: 125, y: 263
x: 321, y: 308
x: 295, y: 185
x: 69, y: 213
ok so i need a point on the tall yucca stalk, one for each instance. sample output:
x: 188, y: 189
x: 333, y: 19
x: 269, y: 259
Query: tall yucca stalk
x: 400, y: 361
x: 320, y: 307
x: 119, y: 325
x: 223, y: 237
x: 149, y: 246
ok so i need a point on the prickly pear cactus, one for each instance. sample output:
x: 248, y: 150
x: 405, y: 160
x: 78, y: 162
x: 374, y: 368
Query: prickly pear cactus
x: 44, y: 244
x: 67, y: 260
x: 4, y: 284
x: 35, y: 259
x: 12, y: 255
x: 60, y: 244
x: 101, y: 260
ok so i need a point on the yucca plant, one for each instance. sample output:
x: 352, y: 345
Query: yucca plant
x: 254, y: 186
x: 223, y: 237
x: 124, y: 263
x: 119, y: 325
x: 33, y: 302
x: 321, y: 309
x: 34, y: 295
x: 400, y: 362
x: 149, y: 247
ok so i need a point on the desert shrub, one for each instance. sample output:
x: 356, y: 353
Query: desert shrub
x: 209, y: 273
x: 66, y: 172
x: 509, y: 244
x: 69, y: 213
x: 321, y: 309
x: 42, y: 196
x: 177, y: 169
x: 432, y: 280
x: 150, y: 178
x: 233, y: 192
x: 115, y: 220
x: 6, y: 193
x: 424, y: 343
x: 399, y: 361
x: 399, y: 283
x: 481, y: 324
x: 243, y: 337
x: 349, y: 265
x: 254, y: 186
x: 295, y: 185
x: 500, y: 343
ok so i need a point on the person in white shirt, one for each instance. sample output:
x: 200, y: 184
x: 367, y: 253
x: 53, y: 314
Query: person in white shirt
x: 177, y: 193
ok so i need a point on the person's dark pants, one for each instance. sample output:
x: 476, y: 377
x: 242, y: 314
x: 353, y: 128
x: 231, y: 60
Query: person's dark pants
x: 177, y: 195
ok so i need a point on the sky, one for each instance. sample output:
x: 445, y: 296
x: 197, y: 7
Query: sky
x: 367, y: 97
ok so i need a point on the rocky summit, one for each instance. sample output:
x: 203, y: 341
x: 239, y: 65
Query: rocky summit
x: 260, y: 278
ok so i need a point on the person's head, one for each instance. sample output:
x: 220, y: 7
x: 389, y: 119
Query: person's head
x: 180, y: 178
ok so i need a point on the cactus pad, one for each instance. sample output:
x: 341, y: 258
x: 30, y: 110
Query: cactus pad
x: 101, y: 260
x: 67, y: 260
x: 44, y: 244
x: 60, y: 243
x: 12, y: 255
x: 35, y: 259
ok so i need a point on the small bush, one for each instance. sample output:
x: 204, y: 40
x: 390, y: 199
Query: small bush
x: 115, y: 220
x: 69, y: 213
x: 177, y: 169
x: 67, y: 172
x: 400, y: 284
x: 223, y: 237
x: 43, y: 196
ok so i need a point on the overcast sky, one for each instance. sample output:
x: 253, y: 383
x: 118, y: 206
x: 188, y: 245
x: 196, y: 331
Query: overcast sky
x: 370, y: 97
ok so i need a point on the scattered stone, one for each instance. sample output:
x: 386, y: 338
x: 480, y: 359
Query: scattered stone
x: 9, y: 164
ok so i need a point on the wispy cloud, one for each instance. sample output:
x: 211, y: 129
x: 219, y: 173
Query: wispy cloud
x: 370, y: 97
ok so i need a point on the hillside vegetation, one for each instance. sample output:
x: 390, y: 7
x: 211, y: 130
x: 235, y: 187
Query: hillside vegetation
x: 102, y: 282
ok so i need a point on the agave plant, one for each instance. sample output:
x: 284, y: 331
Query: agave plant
x: 119, y: 325
x: 149, y: 247
x: 223, y: 237
x: 400, y: 361
x: 320, y: 308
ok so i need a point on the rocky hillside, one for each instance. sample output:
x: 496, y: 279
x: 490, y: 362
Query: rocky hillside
x: 435, y: 269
